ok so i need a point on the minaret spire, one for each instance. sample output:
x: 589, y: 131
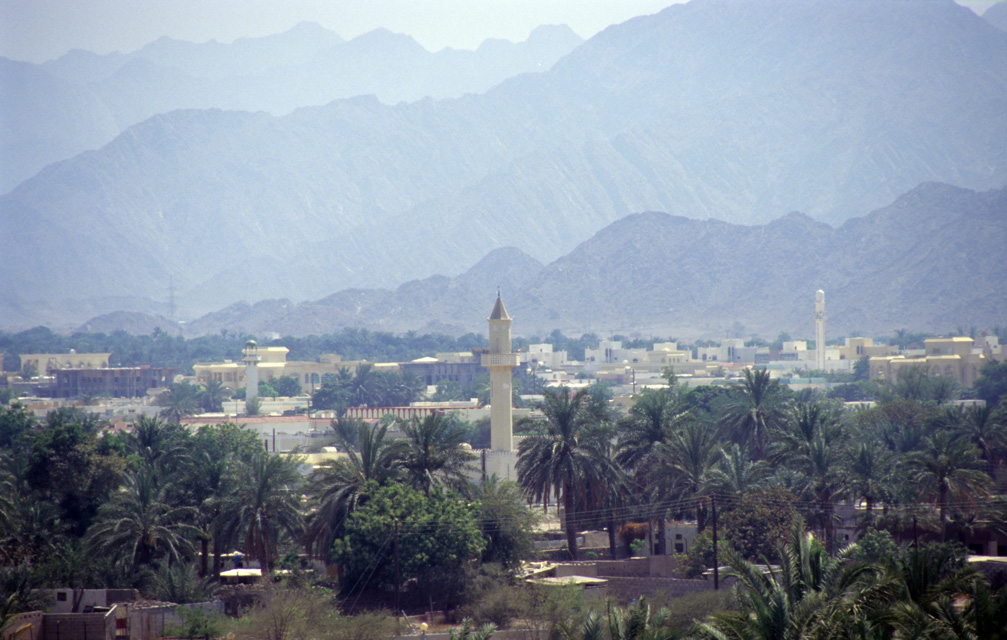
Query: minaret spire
x: 500, y: 361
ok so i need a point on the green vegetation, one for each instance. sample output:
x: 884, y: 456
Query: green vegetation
x: 157, y: 506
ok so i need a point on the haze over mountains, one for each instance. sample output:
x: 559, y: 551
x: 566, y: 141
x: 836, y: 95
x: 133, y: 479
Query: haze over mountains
x: 82, y: 100
x: 933, y: 256
x: 739, y: 111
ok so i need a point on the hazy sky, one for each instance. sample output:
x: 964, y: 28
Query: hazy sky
x: 37, y: 30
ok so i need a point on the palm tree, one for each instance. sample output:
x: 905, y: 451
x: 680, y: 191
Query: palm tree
x: 948, y: 466
x: 337, y: 489
x: 434, y: 454
x: 346, y: 431
x: 736, y: 473
x: 214, y: 395
x: 811, y: 595
x: 366, y: 386
x: 688, y: 459
x: 155, y: 441
x: 754, y: 410
x: 265, y: 502
x: 816, y: 451
x: 980, y: 426
x: 181, y: 400
x: 868, y: 469
x: 561, y: 458
x: 651, y: 420
x: 139, y: 524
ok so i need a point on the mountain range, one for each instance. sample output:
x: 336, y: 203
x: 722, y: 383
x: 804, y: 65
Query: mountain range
x: 931, y: 260
x: 82, y: 100
x: 739, y: 111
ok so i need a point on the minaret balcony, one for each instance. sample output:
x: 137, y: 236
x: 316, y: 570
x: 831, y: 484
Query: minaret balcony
x: 500, y: 360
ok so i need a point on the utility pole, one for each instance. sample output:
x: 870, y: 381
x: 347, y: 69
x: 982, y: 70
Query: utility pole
x: 716, y: 562
x: 398, y: 598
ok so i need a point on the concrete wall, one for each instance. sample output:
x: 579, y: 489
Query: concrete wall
x: 624, y: 589
x: 149, y: 621
x: 24, y: 626
x: 80, y: 626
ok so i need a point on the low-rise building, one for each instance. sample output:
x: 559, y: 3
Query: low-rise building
x: 46, y: 363
x: 273, y: 364
x: 117, y: 382
x: 942, y: 358
x: 462, y: 368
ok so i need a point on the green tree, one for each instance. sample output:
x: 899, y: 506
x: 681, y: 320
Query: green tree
x: 181, y: 400
x: 759, y: 524
x: 287, y: 386
x: 28, y: 371
x: 651, y: 421
x: 811, y: 595
x: 754, y: 410
x: 992, y: 382
x: 816, y: 451
x: 947, y: 467
x: 337, y: 489
x: 156, y: 442
x: 563, y: 457
x: 448, y: 390
x: 69, y: 466
x: 735, y: 473
x: 687, y: 461
x: 140, y: 525
x: 505, y: 520
x: 868, y: 471
x: 434, y: 455
x: 435, y: 531
x: 213, y: 396
x: 264, y: 502
x: 16, y: 425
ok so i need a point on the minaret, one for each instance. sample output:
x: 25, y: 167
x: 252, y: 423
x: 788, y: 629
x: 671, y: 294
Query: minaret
x: 500, y: 361
x: 251, y: 359
x: 820, y: 330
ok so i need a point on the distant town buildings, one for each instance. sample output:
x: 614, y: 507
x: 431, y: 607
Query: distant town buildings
x: 271, y: 364
x: 953, y: 358
x: 114, y: 382
x: 45, y: 363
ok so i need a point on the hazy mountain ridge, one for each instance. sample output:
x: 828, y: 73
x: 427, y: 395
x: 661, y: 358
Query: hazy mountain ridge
x: 996, y: 15
x: 449, y: 303
x: 307, y: 65
x: 929, y: 261
x: 740, y: 111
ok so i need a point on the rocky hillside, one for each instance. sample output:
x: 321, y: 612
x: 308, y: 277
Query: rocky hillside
x: 929, y: 261
x: 739, y: 111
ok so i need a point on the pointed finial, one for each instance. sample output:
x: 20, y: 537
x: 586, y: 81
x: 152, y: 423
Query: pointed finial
x: 498, y: 291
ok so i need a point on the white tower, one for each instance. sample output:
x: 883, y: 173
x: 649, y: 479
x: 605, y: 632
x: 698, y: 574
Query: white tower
x: 500, y: 361
x: 251, y: 359
x: 820, y: 330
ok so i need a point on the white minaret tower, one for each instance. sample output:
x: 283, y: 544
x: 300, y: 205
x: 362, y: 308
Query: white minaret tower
x: 251, y: 359
x: 820, y: 330
x: 500, y: 361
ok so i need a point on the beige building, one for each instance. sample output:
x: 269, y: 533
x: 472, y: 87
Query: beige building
x: 857, y: 348
x: 943, y: 358
x: 46, y: 362
x: 273, y: 364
